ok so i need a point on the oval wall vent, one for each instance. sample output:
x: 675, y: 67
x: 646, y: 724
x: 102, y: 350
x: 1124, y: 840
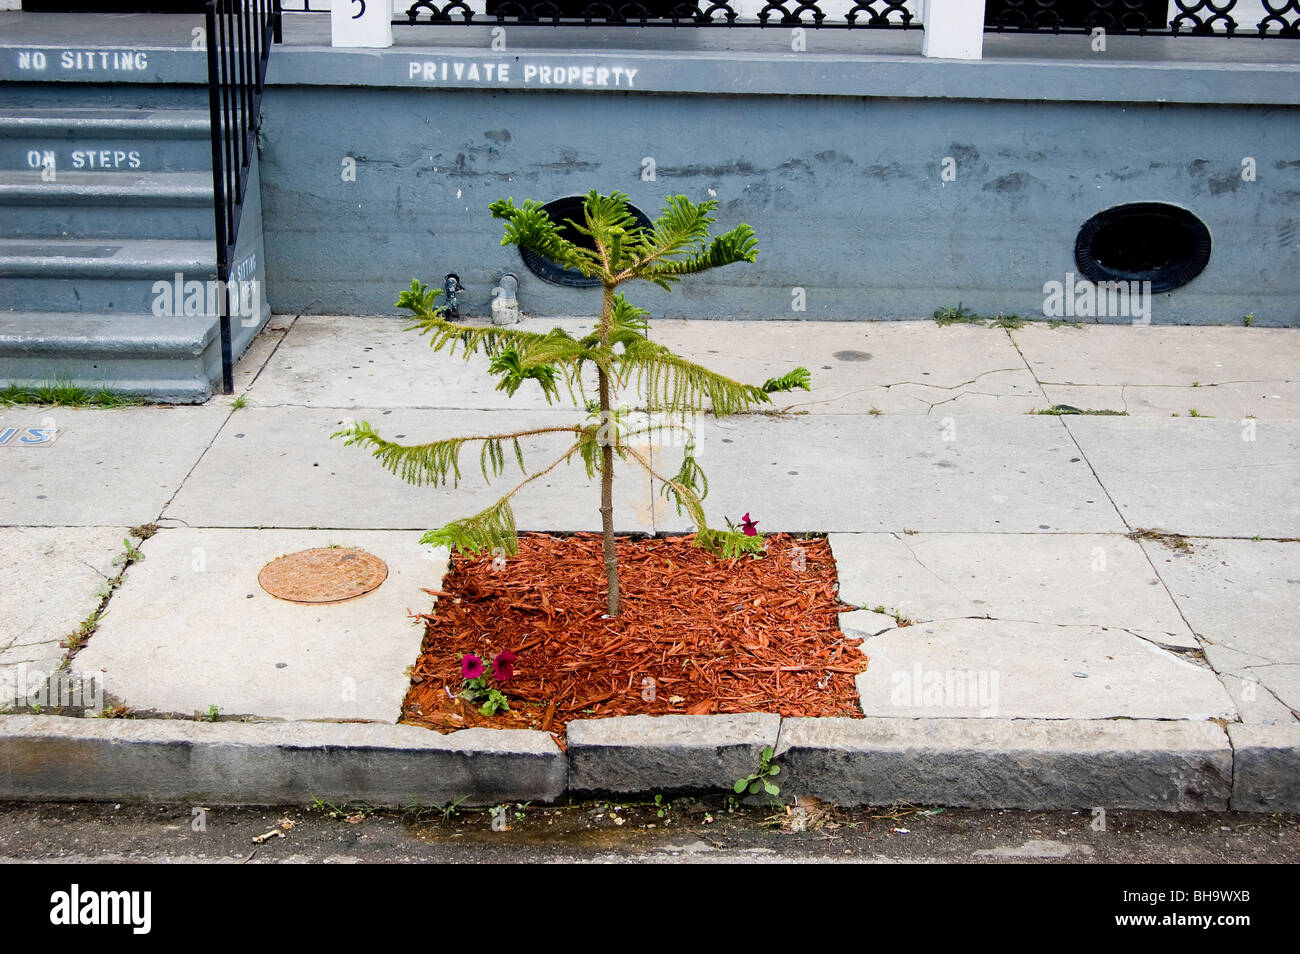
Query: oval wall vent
x: 559, y: 210
x: 1143, y: 242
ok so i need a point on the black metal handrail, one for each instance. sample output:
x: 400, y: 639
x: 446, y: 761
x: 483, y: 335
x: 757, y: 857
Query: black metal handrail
x: 239, y: 38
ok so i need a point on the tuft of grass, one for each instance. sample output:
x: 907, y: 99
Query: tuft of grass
x: 1249, y: 319
x: 62, y: 393
x: 1009, y: 322
x: 1060, y: 409
x: 241, y: 401
x: 1061, y: 322
x: 1195, y: 413
x: 957, y: 316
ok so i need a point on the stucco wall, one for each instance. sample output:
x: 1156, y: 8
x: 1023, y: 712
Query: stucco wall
x: 845, y: 192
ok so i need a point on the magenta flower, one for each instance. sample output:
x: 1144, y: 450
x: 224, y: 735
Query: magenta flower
x: 471, y: 667
x: 503, y: 666
x: 749, y: 526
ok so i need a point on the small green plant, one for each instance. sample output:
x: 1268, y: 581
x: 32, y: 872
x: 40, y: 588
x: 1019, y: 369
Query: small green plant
x: 476, y: 688
x: 214, y: 713
x: 1196, y: 384
x: 241, y: 401
x: 612, y: 247
x: 960, y: 315
x: 1063, y: 322
x: 131, y: 551
x: 874, y: 412
x: 1195, y: 413
x: 661, y: 807
x: 760, y: 781
x: 1250, y: 319
x: 1009, y: 322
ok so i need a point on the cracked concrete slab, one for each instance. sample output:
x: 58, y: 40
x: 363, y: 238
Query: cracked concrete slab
x: 351, y: 362
x: 1099, y: 579
x: 896, y: 367
x: 1203, y: 478
x: 969, y: 668
x: 862, y: 474
x: 104, y: 467
x: 277, y: 466
x: 1233, y: 401
x: 1242, y: 598
x: 253, y: 361
x: 1158, y: 355
x: 191, y: 628
x: 1242, y: 595
x: 51, y: 579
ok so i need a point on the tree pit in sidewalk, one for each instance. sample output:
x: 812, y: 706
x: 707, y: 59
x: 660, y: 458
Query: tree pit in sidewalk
x: 696, y: 635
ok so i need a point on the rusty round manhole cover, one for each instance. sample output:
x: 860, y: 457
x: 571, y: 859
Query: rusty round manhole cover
x: 323, y: 575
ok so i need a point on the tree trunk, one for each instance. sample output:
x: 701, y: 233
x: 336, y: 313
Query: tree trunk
x: 609, y: 429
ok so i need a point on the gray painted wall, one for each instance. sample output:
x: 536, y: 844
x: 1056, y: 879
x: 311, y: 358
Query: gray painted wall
x: 845, y: 194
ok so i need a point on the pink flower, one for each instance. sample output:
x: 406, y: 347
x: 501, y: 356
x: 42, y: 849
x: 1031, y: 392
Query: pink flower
x: 471, y: 667
x: 749, y: 526
x: 503, y: 666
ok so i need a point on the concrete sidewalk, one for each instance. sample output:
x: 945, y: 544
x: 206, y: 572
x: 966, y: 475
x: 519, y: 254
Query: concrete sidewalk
x: 1008, y: 589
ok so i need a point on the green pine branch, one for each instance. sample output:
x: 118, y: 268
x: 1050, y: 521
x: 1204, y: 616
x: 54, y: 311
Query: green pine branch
x: 668, y: 382
x: 529, y: 227
x: 798, y: 378
x: 488, y: 531
x: 438, y: 462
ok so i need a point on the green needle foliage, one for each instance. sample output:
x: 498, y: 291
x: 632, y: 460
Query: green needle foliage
x: 617, y: 249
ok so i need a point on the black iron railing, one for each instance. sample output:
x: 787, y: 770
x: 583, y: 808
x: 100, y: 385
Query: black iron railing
x: 1150, y: 17
x: 240, y: 34
x: 862, y: 14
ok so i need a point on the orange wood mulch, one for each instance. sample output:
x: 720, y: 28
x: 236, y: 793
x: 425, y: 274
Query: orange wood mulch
x: 695, y: 635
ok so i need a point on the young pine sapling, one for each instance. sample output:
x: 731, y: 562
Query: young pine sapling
x: 617, y: 249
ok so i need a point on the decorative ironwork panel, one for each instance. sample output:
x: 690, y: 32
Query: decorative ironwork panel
x: 1277, y: 16
x: 864, y: 14
x: 1203, y: 15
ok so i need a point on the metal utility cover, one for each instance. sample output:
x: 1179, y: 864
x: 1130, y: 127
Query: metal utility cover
x: 323, y: 575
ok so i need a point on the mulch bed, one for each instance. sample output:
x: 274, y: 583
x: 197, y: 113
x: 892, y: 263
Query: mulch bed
x: 695, y: 635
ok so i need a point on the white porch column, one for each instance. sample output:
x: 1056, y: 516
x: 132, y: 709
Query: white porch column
x: 363, y: 23
x: 954, y: 29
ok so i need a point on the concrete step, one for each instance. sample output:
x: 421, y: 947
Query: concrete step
x: 26, y: 95
x: 111, y: 276
x: 105, y: 139
x: 165, y: 359
x: 174, y: 205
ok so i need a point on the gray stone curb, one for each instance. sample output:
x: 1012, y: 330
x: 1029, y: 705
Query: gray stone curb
x: 1265, y: 768
x: 1008, y: 763
x: 648, y: 754
x: 974, y: 763
x: 53, y: 757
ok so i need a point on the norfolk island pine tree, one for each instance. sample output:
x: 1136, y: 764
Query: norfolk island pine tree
x: 677, y: 244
